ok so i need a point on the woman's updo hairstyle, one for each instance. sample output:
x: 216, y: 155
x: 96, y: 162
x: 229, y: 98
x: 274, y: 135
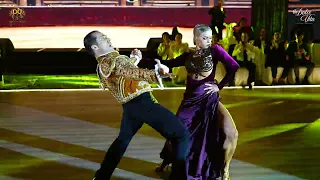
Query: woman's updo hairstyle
x: 199, y: 29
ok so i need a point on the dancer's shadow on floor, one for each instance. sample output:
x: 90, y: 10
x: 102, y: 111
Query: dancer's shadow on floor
x: 117, y: 178
x: 162, y: 175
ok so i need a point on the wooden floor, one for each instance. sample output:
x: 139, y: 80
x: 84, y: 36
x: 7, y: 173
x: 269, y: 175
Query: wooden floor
x: 72, y: 36
x: 64, y: 134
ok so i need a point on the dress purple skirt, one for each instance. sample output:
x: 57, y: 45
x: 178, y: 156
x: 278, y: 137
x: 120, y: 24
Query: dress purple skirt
x: 199, y: 113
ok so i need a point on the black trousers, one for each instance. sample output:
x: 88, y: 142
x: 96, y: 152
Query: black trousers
x: 220, y: 27
x: 296, y: 65
x: 251, y: 67
x: 274, y: 71
x: 138, y: 111
x: 274, y: 61
x: 1, y: 68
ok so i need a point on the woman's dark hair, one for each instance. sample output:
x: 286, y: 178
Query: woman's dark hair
x: 165, y: 34
x: 243, y: 20
x: 175, y: 31
x: 179, y: 34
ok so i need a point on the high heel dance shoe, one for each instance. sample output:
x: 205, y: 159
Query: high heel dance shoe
x: 226, y: 176
x: 162, y: 166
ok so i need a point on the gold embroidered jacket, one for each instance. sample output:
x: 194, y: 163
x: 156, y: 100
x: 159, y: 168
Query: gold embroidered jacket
x: 122, y: 78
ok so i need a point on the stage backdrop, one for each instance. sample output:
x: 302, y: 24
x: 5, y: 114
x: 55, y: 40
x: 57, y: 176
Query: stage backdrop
x: 114, y: 16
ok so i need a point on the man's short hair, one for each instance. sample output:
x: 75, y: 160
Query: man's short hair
x: 89, y: 40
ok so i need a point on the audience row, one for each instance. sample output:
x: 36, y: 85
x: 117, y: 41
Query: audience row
x: 258, y: 55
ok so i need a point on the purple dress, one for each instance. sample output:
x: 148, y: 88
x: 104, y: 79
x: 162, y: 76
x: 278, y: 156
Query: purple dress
x: 198, y: 112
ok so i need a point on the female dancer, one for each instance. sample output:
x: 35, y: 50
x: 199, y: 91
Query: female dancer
x: 211, y: 148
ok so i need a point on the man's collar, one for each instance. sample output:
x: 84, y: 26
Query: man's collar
x: 109, y: 55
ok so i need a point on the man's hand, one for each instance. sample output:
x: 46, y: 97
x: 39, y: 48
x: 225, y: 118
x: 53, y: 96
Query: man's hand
x: 163, y: 73
x: 136, y: 53
x: 211, y: 88
x: 162, y: 69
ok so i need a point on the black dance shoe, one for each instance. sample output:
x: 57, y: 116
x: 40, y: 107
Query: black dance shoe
x: 162, y: 166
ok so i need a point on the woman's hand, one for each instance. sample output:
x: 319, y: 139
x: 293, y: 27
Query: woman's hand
x: 211, y: 88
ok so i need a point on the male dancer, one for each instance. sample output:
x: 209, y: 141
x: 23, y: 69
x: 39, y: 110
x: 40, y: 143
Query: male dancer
x: 130, y: 86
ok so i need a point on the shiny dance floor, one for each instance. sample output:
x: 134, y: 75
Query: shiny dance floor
x: 64, y: 134
x: 72, y: 36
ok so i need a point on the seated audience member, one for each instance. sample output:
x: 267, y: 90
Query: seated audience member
x: 217, y: 40
x: 229, y: 41
x: 164, y: 47
x: 298, y: 55
x: 276, y: 57
x: 244, y: 54
x: 175, y: 31
x: 1, y: 80
x: 242, y: 28
x: 164, y: 50
x: 262, y: 41
x: 177, y: 48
